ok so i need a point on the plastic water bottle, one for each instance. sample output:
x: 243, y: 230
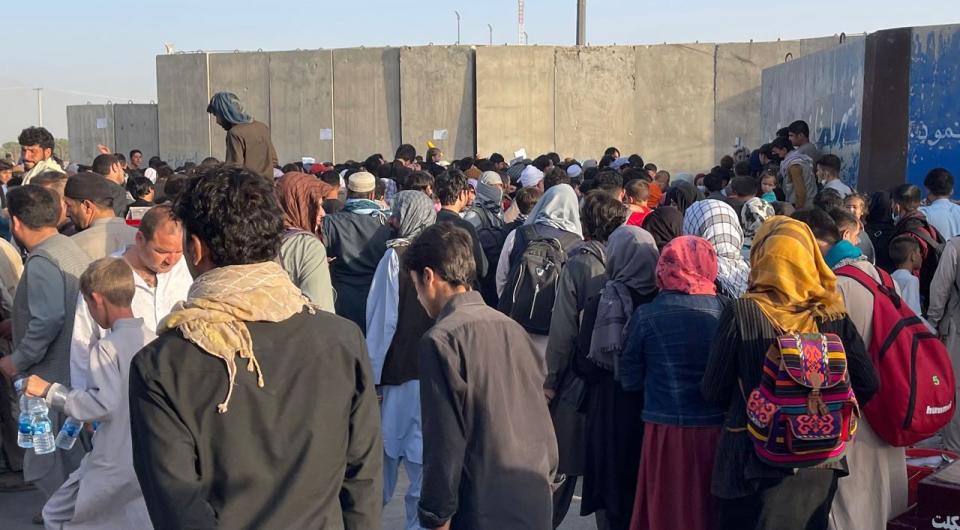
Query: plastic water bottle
x: 24, y: 422
x: 43, y: 441
x: 25, y: 425
x: 69, y: 433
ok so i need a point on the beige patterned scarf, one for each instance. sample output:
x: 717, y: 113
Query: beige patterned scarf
x: 220, y: 303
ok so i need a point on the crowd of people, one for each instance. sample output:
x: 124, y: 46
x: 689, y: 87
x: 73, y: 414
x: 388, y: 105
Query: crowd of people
x: 257, y: 346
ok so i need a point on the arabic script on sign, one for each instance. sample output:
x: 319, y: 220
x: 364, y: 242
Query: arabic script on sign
x: 947, y: 522
x: 923, y: 133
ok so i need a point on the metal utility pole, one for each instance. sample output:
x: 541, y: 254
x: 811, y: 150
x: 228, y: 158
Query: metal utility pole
x: 521, y: 33
x: 581, y: 22
x: 458, y: 25
x: 491, y: 33
x: 39, y: 107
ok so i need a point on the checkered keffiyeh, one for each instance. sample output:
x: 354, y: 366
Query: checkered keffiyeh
x: 718, y: 223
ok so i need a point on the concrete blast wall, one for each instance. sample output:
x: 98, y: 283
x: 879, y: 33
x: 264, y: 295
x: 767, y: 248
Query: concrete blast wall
x: 437, y: 99
x: 366, y: 102
x: 119, y: 127
x: 826, y: 90
x: 183, y: 92
x: 682, y: 106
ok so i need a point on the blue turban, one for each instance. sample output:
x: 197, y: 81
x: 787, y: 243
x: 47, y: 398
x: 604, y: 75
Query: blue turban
x: 226, y: 106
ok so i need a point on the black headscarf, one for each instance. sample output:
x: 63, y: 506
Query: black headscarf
x: 881, y: 209
x: 681, y: 195
x: 880, y: 228
x: 664, y: 224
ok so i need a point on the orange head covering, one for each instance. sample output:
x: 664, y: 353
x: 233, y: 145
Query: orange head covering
x: 655, y: 195
x: 300, y: 197
x: 789, y: 280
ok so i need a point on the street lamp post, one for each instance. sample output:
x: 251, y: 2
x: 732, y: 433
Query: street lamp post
x: 455, y: 12
x: 491, y: 33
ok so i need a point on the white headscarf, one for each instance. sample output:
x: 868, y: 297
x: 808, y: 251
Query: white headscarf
x: 558, y: 208
x: 718, y: 223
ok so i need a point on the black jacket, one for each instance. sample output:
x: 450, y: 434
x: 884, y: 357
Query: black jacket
x: 356, y: 242
x: 304, y: 451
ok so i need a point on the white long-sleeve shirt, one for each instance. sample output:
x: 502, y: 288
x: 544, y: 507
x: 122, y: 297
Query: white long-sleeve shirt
x: 149, y: 303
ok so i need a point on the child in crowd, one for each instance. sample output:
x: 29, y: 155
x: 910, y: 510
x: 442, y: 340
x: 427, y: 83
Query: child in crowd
x: 907, y: 258
x: 636, y: 195
x: 768, y: 183
x: 857, y: 205
x: 103, y: 492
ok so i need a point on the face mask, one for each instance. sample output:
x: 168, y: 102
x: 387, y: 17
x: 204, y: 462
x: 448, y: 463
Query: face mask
x: 895, y: 217
x: 703, y: 189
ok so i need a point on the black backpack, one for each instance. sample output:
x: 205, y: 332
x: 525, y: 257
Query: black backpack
x: 535, y: 265
x: 491, y: 240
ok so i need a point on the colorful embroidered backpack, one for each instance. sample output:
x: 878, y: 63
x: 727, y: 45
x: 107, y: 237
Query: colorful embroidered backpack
x: 804, y: 411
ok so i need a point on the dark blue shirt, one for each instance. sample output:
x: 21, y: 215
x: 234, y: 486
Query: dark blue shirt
x: 665, y: 355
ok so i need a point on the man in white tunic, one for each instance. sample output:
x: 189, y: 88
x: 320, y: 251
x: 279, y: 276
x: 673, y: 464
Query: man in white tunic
x: 103, y: 492
x: 395, y: 323
x: 160, y: 275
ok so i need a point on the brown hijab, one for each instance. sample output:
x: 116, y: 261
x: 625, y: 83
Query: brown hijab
x: 301, y: 200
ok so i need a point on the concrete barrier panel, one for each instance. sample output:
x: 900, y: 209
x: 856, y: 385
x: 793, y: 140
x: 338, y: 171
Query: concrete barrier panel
x: 824, y: 89
x: 87, y: 126
x: 673, y: 102
x: 595, y: 101
x: 366, y: 102
x: 182, y: 97
x: 135, y: 127
x: 437, y: 95
x: 515, y: 100
x: 934, y: 132
x: 301, y: 104
x: 246, y: 75
x: 738, y: 73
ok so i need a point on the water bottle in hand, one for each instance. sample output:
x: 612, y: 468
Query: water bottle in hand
x: 69, y: 433
x: 43, y: 441
x: 25, y: 425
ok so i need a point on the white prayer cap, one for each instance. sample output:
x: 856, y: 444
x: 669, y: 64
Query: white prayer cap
x: 531, y: 176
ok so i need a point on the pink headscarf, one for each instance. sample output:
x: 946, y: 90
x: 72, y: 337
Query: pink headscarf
x: 688, y: 264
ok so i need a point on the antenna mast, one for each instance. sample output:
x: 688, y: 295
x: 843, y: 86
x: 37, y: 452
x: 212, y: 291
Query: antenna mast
x: 522, y: 36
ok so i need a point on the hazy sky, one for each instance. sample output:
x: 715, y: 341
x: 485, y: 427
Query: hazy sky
x: 100, y: 50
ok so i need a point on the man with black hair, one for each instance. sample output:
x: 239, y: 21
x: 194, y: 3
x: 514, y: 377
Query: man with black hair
x: 556, y: 175
x: 489, y: 450
x: 911, y: 221
x: 332, y: 202
x: 828, y: 199
x: 940, y: 211
x: 543, y: 163
x: 36, y: 148
x: 90, y: 204
x: 582, y: 277
x: 136, y: 158
x: 111, y: 169
x: 245, y: 346
x: 451, y: 189
x: 356, y: 238
x: 404, y: 163
x: 799, y: 135
x: 610, y: 182
x: 713, y: 181
x: 43, y: 313
x: 741, y: 190
x: 828, y: 172
x: 500, y: 164
x: 57, y: 183
x: 613, y: 153
x: 248, y: 140
x: 797, y: 177
x: 420, y: 181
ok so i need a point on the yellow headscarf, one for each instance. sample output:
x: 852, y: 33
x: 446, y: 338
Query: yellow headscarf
x: 789, y: 279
